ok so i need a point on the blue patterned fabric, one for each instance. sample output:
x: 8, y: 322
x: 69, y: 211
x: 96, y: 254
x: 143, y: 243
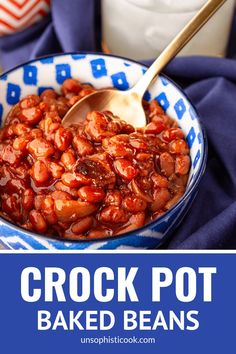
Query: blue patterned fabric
x: 209, y: 82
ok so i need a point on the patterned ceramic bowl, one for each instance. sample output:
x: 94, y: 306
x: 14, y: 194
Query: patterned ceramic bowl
x: 105, y: 71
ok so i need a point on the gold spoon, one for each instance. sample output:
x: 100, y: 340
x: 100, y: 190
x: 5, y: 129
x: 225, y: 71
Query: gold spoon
x: 128, y: 104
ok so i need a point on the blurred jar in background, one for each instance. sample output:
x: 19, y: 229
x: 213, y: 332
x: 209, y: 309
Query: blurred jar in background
x: 141, y: 29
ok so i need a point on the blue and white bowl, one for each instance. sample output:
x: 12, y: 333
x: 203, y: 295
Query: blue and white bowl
x: 105, y: 71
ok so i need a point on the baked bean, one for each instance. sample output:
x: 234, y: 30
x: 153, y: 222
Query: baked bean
x: 40, y: 147
x: 82, y: 225
x: 44, y: 107
x: 155, y: 127
x: 173, y: 200
x: 31, y: 115
x: 70, y: 85
x: 155, y: 109
x: 167, y: 164
x: 39, y: 172
x: 134, y: 204
x: 11, y: 206
x: 62, y: 187
x: 127, y: 129
x: 38, y: 201
x: 29, y: 101
x: 142, y: 156
x: 139, y: 193
x: 48, y: 210
x: 125, y: 169
x: 82, y: 146
x: 28, y: 199
x: 63, y: 138
x: 160, y: 181
x: 172, y: 134
x: 91, y: 194
x: 20, y: 129
x: 9, y: 155
x: 138, y: 144
x: 20, y: 143
x: 118, y: 146
x: 182, y: 164
x: 53, y: 115
x: 98, y: 178
x: 135, y: 221
x: 165, y: 119
x: 113, y: 197
x: 97, y: 126
x: 70, y: 180
x: 73, y: 100
x: 99, y: 233
x: 138, y: 219
x: 12, y: 114
x: 37, y: 221
x: 35, y: 133
x: 45, y: 125
x: 161, y: 197
x: 60, y: 195
x: 113, y: 214
x: 177, y: 183
x: 72, y: 210
x: 21, y: 171
x: 48, y: 203
x: 56, y: 169
x: 16, y: 185
x: 86, y: 91
x: 14, y: 120
x: 179, y: 146
x: 62, y: 106
x: 8, y: 132
x: 48, y: 93
x: 68, y: 159
x: 74, y: 180
x: 50, y: 123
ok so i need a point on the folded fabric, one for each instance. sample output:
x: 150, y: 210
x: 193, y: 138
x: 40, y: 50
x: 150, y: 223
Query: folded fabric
x: 73, y: 25
x: 209, y: 82
x: 211, y: 85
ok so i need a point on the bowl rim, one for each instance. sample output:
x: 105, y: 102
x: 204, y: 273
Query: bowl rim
x: 181, y: 201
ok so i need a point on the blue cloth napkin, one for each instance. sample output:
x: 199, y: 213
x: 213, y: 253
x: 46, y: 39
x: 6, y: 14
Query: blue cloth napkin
x: 74, y: 25
x: 211, y: 85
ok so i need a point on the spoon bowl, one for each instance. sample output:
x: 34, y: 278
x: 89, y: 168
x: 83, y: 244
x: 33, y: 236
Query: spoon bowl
x: 118, y: 102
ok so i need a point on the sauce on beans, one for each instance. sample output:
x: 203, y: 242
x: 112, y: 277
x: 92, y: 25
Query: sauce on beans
x: 96, y: 179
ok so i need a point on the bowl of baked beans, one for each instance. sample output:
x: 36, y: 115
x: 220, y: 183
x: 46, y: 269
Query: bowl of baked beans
x: 101, y: 183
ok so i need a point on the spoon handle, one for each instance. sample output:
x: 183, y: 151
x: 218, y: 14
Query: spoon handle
x: 192, y: 27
